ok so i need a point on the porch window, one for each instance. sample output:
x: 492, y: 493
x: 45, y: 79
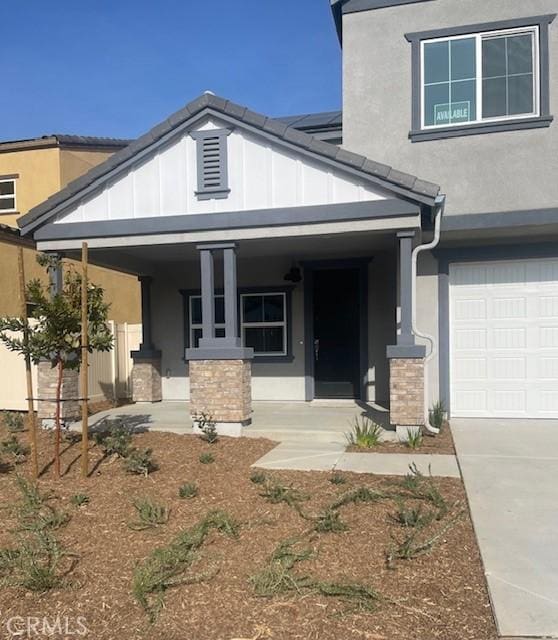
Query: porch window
x: 480, y: 77
x: 196, y: 328
x: 7, y: 195
x: 263, y: 323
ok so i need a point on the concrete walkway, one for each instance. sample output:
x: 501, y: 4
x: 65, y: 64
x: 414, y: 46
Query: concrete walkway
x: 309, y: 456
x: 510, y: 469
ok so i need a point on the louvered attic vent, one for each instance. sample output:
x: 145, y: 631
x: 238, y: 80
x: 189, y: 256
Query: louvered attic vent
x: 213, y: 179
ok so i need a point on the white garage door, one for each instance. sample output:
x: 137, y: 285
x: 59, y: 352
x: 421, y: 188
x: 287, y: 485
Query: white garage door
x: 504, y: 339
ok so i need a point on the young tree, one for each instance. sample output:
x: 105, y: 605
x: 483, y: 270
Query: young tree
x: 55, y: 335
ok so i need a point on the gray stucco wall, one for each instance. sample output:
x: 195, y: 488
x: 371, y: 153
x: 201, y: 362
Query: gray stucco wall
x: 480, y: 173
x: 281, y: 380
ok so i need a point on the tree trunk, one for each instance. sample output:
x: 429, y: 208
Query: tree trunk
x: 60, y: 366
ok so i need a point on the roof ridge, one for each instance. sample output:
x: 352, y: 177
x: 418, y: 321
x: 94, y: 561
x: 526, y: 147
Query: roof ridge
x: 383, y: 175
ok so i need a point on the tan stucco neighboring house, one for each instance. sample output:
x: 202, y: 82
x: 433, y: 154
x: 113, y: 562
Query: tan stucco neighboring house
x: 30, y: 172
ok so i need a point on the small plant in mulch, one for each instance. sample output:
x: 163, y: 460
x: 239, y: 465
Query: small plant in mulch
x: 116, y: 440
x: 412, y: 516
x: 437, y: 415
x: 188, y: 490
x: 38, y: 562
x: 414, y: 439
x: 150, y: 514
x: 79, y: 500
x: 337, y: 478
x: 258, y: 477
x: 13, y: 421
x: 416, y: 543
x: 275, y: 492
x: 364, y: 433
x: 330, y: 522
x: 140, y: 462
x: 359, y: 496
x: 169, y: 566
x: 420, y: 487
x: 279, y: 577
x: 13, y: 447
x: 206, y: 458
x: 206, y: 424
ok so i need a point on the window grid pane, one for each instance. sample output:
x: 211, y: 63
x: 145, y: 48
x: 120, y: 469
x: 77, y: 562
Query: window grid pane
x: 264, y: 323
x: 507, y: 87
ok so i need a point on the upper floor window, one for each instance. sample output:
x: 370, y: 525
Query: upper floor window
x: 7, y: 195
x: 468, y: 79
x: 481, y: 78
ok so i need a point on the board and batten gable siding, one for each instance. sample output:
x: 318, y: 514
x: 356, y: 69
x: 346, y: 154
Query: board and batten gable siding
x: 261, y: 175
x: 481, y: 173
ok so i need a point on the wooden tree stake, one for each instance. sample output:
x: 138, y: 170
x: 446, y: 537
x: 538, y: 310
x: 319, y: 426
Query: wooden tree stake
x: 84, y: 365
x: 28, y: 374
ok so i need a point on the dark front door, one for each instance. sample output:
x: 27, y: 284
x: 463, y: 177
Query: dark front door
x: 336, y: 333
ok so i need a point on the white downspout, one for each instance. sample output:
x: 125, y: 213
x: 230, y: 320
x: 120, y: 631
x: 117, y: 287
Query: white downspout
x: 431, y: 350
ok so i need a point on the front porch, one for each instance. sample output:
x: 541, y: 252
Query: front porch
x: 321, y: 423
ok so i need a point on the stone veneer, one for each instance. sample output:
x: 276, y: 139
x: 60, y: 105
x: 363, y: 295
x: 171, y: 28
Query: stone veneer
x: 222, y: 389
x: 407, y: 391
x: 146, y: 380
x: 46, y: 392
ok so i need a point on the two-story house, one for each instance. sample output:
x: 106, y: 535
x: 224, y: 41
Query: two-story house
x: 32, y: 170
x: 411, y: 263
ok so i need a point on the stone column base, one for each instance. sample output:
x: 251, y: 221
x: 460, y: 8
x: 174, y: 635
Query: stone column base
x: 406, y: 390
x: 222, y: 390
x: 146, y: 379
x: 46, y: 392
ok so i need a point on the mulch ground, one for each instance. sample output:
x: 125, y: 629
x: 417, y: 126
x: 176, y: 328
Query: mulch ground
x: 441, y: 444
x: 441, y: 594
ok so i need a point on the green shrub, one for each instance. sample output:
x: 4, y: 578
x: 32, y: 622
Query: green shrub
x: 150, y: 514
x: 207, y: 426
x: 79, y: 499
x: 13, y: 447
x: 330, y: 522
x: 116, y: 440
x: 258, y: 477
x: 413, y: 516
x: 414, y: 439
x: 13, y: 421
x: 337, y: 478
x: 437, y: 415
x: 358, y: 496
x: 364, y: 433
x: 188, y: 490
x: 168, y: 566
x: 206, y: 458
x: 140, y: 462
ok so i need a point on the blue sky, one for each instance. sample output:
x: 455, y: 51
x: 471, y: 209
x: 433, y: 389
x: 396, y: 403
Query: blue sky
x: 118, y: 67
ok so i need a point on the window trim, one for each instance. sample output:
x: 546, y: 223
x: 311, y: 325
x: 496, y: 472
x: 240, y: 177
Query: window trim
x: 11, y: 196
x: 261, y: 359
x: 193, y: 326
x: 543, y: 119
x: 258, y: 325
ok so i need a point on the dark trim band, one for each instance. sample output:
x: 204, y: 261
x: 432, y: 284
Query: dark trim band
x: 500, y: 220
x: 389, y: 208
x: 518, y: 124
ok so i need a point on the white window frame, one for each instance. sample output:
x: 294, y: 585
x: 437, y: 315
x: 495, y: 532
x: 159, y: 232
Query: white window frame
x: 193, y: 326
x: 10, y: 196
x: 479, y: 37
x: 256, y: 325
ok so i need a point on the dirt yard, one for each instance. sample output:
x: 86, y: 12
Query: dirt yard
x: 439, y: 594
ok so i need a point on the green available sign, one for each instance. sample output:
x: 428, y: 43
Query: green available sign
x: 452, y: 113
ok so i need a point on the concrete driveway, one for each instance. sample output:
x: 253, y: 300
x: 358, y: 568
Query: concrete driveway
x: 510, y: 469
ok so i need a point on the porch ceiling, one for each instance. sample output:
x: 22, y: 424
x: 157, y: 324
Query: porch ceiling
x: 147, y: 259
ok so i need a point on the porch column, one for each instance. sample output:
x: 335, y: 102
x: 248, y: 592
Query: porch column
x: 146, y: 372
x: 220, y: 368
x: 406, y: 357
x: 47, y: 376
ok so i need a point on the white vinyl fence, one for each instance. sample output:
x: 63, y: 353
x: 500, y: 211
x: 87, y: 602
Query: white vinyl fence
x: 109, y: 373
